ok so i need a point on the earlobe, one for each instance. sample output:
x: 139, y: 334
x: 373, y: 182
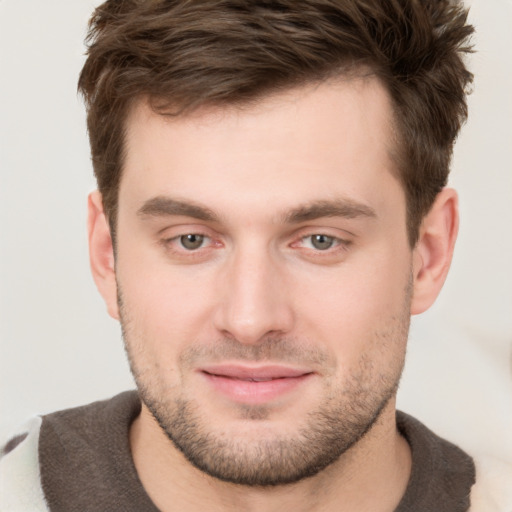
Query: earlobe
x: 101, y: 253
x: 433, y: 252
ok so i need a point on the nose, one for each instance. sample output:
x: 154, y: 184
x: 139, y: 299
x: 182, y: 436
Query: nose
x: 253, y: 301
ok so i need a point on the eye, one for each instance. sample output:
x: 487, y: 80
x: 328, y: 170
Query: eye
x: 189, y: 246
x: 321, y: 242
x: 192, y: 241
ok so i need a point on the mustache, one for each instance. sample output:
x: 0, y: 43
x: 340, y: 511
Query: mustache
x: 274, y: 349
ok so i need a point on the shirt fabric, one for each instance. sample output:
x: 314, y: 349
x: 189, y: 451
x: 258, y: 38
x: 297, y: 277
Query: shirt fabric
x: 85, y: 463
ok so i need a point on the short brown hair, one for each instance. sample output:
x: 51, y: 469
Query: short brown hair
x: 183, y: 54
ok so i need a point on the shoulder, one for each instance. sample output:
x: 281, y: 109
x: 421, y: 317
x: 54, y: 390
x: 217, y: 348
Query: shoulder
x: 444, y: 477
x: 492, y: 491
x: 36, y: 468
x: 20, y: 479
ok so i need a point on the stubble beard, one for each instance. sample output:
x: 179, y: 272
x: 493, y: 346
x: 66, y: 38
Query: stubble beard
x: 342, y: 419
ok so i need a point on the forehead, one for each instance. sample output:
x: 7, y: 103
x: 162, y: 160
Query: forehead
x: 321, y: 140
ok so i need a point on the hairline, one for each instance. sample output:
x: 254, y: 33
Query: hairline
x: 349, y: 72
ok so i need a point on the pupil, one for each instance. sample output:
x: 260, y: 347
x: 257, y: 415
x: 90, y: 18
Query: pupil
x: 192, y: 241
x: 322, y: 242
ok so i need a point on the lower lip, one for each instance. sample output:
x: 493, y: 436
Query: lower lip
x: 246, y: 391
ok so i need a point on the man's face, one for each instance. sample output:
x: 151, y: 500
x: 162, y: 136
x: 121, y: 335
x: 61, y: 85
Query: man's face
x: 264, y: 277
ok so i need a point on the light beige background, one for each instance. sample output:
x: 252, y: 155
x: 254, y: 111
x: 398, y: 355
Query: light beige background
x: 58, y: 346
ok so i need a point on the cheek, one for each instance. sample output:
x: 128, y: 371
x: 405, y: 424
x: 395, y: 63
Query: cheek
x: 165, y: 305
x: 356, y: 303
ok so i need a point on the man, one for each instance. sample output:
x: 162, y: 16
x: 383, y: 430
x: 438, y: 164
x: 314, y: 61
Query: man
x: 271, y: 210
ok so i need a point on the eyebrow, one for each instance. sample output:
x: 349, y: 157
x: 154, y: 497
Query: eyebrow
x: 162, y: 206
x: 165, y: 206
x: 346, y: 208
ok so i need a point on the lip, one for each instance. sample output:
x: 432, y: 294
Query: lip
x: 250, y: 384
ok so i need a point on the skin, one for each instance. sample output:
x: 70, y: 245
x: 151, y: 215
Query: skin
x: 258, y: 291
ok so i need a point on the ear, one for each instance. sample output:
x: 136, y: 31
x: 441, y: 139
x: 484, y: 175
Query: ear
x: 433, y: 252
x: 101, y: 253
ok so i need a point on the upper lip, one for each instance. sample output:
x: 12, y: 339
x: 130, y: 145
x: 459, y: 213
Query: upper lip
x: 244, y: 372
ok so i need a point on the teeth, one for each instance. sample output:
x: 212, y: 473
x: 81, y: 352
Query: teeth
x: 259, y: 380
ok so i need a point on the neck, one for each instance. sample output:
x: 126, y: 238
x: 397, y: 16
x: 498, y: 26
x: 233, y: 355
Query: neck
x: 380, y: 461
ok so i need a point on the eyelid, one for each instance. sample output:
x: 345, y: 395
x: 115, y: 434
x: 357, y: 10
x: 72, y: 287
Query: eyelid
x: 326, y: 227
x: 169, y: 238
x: 204, y: 241
x: 192, y: 227
x: 338, y: 234
x: 176, y: 238
x: 180, y: 255
x: 186, y: 228
x: 337, y: 241
x: 332, y: 255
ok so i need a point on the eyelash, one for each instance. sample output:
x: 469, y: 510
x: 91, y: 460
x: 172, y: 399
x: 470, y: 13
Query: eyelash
x: 330, y: 255
x: 175, y: 246
x: 337, y: 243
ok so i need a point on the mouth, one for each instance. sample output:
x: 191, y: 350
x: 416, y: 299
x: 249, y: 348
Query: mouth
x: 246, y: 384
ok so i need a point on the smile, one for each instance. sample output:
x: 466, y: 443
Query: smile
x: 252, y: 385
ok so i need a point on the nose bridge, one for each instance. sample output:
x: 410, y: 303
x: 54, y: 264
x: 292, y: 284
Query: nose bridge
x: 253, y: 302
